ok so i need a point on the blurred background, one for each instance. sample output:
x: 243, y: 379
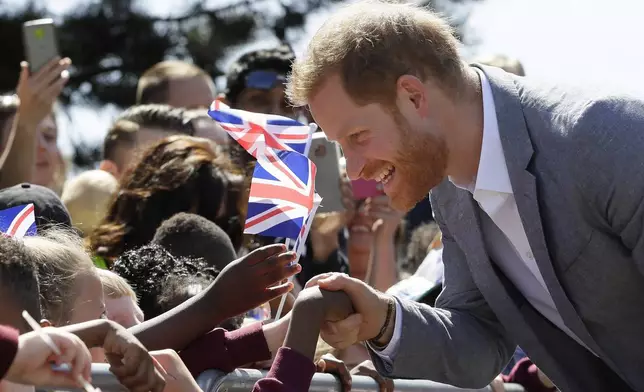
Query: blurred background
x: 111, y: 42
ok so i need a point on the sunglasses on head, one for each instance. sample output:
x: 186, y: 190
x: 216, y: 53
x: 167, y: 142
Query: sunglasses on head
x: 264, y: 80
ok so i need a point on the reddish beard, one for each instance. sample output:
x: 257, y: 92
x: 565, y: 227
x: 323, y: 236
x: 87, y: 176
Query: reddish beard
x: 419, y: 165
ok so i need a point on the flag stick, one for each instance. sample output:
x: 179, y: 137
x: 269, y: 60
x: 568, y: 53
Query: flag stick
x: 290, y: 279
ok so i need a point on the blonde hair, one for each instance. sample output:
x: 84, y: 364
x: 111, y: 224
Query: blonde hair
x: 87, y: 197
x: 115, y: 286
x: 60, y: 260
x: 371, y: 44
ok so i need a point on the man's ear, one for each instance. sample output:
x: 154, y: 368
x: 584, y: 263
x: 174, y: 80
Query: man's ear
x: 44, y: 323
x: 110, y: 167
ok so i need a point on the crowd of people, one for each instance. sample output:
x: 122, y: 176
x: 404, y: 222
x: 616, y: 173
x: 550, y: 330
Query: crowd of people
x: 143, y: 262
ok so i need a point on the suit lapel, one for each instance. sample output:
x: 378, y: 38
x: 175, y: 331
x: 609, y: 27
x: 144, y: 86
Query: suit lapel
x: 486, y: 278
x: 518, y: 150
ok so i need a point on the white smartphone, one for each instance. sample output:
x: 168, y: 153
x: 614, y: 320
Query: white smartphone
x: 326, y: 156
x: 41, y: 46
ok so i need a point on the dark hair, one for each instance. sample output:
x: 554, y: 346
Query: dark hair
x: 127, y: 124
x: 277, y: 59
x: 154, y: 83
x: 150, y: 268
x: 191, y: 235
x: 18, y: 277
x: 181, y: 285
x: 178, y: 174
x: 417, y: 248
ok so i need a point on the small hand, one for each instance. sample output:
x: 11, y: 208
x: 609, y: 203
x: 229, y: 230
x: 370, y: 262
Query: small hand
x: 176, y: 374
x: 32, y: 364
x: 254, y: 279
x: 370, y: 307
x: 130, y: 361
x: 330, y: 364
x: 39, y: 91
x: 366, y: 368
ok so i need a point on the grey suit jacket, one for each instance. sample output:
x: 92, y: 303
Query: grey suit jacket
x: 576, y: 163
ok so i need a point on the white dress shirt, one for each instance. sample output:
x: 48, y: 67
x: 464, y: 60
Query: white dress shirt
x: 503, y: 234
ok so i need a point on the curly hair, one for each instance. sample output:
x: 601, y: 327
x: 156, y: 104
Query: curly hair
x: 177, y: 174
x: 150, y: 268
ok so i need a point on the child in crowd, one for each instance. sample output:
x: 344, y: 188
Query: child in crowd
x: 70, y: 288
x: 121, y: 302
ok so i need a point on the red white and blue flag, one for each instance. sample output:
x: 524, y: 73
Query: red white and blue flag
x: 282, y: 191
x: 18, y: 221
x: 282, y: 194
x: 256, y: 131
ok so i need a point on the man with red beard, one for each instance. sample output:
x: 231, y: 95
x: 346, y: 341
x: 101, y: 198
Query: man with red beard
x: 537, y: 189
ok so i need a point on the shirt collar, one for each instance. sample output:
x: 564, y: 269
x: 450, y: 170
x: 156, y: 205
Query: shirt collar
x: 493, y: 173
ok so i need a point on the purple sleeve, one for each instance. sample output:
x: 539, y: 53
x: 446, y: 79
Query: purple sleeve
x: 290, y: 372
x: 8, y: 348
x: 223, y: 350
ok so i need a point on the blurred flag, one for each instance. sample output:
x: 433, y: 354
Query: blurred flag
x: 18, y: 221
x: 282, y: 194
x: 255, y: 131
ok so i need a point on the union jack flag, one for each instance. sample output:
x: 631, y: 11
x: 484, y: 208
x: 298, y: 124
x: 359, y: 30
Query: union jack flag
x: 18, y: 221
x: 255, y: 131
x: 282, y: 194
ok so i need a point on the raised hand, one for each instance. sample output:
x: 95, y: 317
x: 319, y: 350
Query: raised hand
x: 39, y: 91
x: 254, y: 279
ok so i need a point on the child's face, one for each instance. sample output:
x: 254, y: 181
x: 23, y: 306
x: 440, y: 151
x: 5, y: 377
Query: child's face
x: 124, y: 311
x: 89, y: 303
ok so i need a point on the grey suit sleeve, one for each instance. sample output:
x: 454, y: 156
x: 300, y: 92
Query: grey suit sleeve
x: 609, y: 167
x: 460, y: 342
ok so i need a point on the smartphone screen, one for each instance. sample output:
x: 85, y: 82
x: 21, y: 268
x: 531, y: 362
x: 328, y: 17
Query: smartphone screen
x: 39, y: 38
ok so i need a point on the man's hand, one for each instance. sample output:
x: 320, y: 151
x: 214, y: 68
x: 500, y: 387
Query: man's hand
x: 130, y: 361
x: 254, y: 279
x: 366, y: 368
x: 32, y: 364
x: 176, y: 374
x: 39, y: 91
x: 332, y: 365
x: 370, y: 311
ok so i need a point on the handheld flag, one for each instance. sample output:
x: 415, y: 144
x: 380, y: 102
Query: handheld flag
x: 256, y: 131
x: 18, y: 221
x: 282, y: 193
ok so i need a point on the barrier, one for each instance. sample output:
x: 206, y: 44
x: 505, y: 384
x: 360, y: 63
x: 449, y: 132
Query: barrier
x: 242, y: 380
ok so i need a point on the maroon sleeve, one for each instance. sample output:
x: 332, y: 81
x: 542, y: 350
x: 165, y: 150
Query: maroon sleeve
x: 223, y: 350
x: 8, y: 348
x: 290, y: 372
x: 525, y: 373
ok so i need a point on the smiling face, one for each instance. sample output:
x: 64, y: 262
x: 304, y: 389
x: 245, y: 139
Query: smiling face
x: 401, y: 147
